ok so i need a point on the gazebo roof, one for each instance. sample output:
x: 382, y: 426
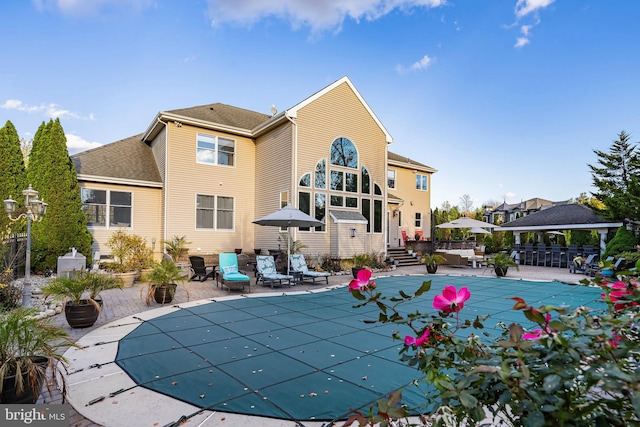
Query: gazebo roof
x: 560, y: 217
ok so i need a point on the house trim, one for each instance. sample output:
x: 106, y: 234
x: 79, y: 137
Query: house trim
x: 120, y: 181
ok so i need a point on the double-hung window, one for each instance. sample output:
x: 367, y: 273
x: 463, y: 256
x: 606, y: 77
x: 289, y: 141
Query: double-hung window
x: 391, y: 178
x: 215, y: 150
x: 422, y: 182
x: 107, y: 208
x: 214, y: 212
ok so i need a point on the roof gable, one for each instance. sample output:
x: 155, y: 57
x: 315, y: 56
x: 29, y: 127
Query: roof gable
x: 223, y: 114
x: 558, y: 216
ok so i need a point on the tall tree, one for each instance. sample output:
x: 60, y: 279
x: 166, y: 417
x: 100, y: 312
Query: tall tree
x: 617, y: 178
x: 12, y: 170
x: 466, y: 204
x: 53, y: 175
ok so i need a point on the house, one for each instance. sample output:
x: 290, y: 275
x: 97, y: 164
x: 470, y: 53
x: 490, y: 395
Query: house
x: 510, y: 212
x: 207, y: 172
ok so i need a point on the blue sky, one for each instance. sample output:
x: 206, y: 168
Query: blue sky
x: 506, y: 99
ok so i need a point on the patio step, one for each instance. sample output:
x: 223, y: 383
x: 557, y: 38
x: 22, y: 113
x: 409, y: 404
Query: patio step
x: 402, y: 258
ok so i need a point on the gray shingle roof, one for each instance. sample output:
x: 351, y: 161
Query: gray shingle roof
x: 347, y: 216
x: 409, y: 162
x: 129, y: 159
x: 558, y: 215
x: 224, y: 114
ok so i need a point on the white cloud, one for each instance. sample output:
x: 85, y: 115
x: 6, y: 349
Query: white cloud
x: 422, y: 64
x: 318, y: 15
x: 76, y: 143
x: 524, y: 8
x: 53, y: 111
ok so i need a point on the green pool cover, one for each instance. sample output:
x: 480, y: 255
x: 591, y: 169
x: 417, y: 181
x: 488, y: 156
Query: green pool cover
x: 309, y: 356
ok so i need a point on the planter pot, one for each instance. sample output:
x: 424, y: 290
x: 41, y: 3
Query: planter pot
x: 432, y: 268
x: 238, y: 251
x: 9, y: 394
x: 501, y: 271
x: 81, y: 315
x: 127, y: 278
x: 607, y: 272
x: 257, y: 251
x: 164, y: 293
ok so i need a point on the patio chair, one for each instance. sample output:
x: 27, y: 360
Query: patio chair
x: 587, y: 266
x: 267, y: 274
x: 229, y: 275
x: 200, y: 270
x: 299, y: 265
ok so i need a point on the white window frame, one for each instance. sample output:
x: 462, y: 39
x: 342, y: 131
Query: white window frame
x: 215, y: 211
x: 107, y: 207
x: 422, y: 182
x: 214, y: 150
x: 391, y: 178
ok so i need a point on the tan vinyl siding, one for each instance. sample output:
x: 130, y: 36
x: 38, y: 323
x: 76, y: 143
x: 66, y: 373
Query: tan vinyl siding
x: 159, y: 149
x: 414, y: 200
x: 339, y: 113
x: 186, y: 178
x: 272, y: 176
x: 145, y: 217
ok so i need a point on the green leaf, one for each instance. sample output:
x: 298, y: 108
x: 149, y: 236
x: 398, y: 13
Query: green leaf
x: 468, y: 400
x: 515, y: 332
x: 534, y: 419
x: 426, y: 287
x: 558, y: 325
x: 551, y: 383
x: 357, y: 295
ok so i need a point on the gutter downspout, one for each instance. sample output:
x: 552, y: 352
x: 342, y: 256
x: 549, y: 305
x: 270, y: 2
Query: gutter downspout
x: 294, y: 168
x: 164, y: 183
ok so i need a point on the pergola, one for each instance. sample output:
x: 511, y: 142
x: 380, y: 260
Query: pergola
x: 561, y: 217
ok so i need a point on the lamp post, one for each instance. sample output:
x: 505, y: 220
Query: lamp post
x: 35, y: 212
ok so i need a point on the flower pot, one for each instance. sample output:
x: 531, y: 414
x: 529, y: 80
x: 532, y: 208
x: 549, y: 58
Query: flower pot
x: 432, y: 268
x: 164, y: 293
x: 81, y: 315
x: 257, y: 251
x: 127, y: 278
x: 9, y: 393
x: 238, y: 251
x: 501, y: 271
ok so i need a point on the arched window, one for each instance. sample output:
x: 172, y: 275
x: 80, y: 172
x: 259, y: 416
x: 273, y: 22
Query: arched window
x: 321, y: 174
x: 305, y: 181
x: 343, y: 153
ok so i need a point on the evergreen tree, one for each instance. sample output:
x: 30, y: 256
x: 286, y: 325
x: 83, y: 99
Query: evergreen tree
x: 12, y: 171
x: 617, y: 178
x: 53, y: 175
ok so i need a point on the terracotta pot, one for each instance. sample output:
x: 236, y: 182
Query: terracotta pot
x: 81, y: 315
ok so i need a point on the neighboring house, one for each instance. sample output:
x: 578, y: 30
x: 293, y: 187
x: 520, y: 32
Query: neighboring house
x: 207, y: 172
x: 510, y: 212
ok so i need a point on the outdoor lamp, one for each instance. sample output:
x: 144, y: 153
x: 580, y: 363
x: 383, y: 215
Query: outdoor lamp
x: 10, y: 205
x: 35, y: 212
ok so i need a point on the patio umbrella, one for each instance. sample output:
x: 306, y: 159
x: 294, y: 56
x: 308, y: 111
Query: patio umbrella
x: 465, y: 222
x: 478, y: 230
x: 288, y: 217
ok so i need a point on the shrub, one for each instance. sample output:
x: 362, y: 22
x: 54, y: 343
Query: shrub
x: 621, y: 242
x: 578, y: 367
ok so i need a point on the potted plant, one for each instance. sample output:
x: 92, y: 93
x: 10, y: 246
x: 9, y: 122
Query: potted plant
x: 360, y: 261
x: 501, y: 263
x: 177, y: 247
x: 409, y: 249
x: 432, y: 261
x: 126, y: 250
x: 162, y: 281
x: 29, y: 346
x: 81, y: 311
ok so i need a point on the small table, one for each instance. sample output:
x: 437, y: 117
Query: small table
x: 297, y: 277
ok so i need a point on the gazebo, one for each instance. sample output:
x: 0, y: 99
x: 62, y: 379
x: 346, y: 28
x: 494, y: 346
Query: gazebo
x: 561, y: 217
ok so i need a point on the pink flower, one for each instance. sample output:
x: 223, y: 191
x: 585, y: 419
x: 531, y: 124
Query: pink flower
x: 408, y: 340
x: 362, y: 281
x: 451, y: 300
x: 533, y: 335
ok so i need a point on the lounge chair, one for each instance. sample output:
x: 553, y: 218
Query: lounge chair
x: 589, y: 264
x: 229, y: 275
x: 267, y: 274
x: 200, y: 270
x: 299, y: 265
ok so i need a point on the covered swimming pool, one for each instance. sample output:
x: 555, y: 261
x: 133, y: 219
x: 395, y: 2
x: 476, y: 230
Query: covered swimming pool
x: 306, y: 356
